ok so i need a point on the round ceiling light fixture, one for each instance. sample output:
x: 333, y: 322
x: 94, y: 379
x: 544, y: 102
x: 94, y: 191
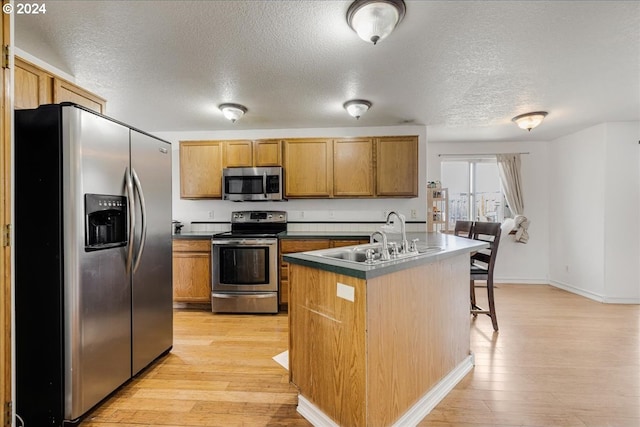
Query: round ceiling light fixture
x: 232, y: 111
x: 374, y: 20
x: 529, y: 120
x: 357, y: 107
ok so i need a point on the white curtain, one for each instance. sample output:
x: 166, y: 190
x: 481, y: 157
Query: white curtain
x: 509, y: 167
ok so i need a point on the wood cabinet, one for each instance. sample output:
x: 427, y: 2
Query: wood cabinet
x: 308, y: 165
x: 288, y: 246
x: 238, y: 153
x: 201, y: 169
x: 35, y: 86
x: 397, y: 166
x: 192, y: 271
x: 258, y: 153
x: 437, y: 209
x: 353, y: 167
x: 267, y: 152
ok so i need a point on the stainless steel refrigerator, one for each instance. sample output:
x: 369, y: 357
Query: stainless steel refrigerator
x: 93, y: 278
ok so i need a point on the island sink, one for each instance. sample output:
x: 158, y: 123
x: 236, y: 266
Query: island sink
x: 371, y: 253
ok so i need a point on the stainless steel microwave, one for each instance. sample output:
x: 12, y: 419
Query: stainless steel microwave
x: 252, y: 184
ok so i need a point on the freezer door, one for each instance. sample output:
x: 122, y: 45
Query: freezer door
x: 97, y: 297
x: 152, y: 277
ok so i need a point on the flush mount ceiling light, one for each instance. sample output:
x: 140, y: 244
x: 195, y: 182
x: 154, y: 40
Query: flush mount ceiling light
x: 357, y: 107
x: 374, y: 20
x: 529, y: 120
x: 232, y: 111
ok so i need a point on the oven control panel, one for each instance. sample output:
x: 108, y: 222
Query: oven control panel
x: 258, y: 216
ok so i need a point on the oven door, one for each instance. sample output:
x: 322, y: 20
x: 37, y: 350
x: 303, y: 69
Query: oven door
x: 244, y: 265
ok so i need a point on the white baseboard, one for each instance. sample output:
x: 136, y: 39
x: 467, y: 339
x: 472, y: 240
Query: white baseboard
x: 570, y: 288
x: 421, y: 409
x: 521, y: 281
x: 413, y: 416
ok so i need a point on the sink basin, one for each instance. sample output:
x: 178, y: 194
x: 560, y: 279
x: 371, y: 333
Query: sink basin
x: 358, y: 254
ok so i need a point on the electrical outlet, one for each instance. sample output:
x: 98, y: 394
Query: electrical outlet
x: 301, y: 214
x: 332, y: 214
x: 414, y: 213
x: 210, y: 214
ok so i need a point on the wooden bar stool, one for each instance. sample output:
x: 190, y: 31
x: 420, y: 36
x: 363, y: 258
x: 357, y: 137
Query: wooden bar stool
x: 463, y: 229
x: 482, y: 265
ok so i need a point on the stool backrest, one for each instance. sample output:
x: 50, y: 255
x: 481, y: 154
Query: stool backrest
x: 487, y: 232
x: 463, y: 229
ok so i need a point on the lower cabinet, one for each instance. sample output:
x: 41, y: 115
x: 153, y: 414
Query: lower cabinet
x: 192, y: 271
x: 288, y: 246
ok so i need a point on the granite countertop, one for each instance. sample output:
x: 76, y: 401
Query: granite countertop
x: 450, y: 244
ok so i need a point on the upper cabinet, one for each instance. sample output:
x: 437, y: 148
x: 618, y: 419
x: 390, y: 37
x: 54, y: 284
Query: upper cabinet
x: 353, y: 167
x: 308, y: 165
x: 313, y: 167
x: 238, y: 153
x: 201, y: 169
x: 267, y: 152
x: 397, y: 166
x: 35, y: 86
x: 245, y: 153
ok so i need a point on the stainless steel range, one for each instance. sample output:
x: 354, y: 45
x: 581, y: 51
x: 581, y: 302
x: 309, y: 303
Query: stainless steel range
x: 244, y: 263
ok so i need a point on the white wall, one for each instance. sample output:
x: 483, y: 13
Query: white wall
x: 622, y: 212
x: 595, y: 209
x: 517, y: 262
x: 334, y: 210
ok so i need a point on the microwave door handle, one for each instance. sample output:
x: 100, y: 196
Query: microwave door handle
x: 264, y: 184
x: 143, y: 210
x: 132, y: 217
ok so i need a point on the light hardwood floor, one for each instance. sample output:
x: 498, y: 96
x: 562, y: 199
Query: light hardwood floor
x: 558, y: 360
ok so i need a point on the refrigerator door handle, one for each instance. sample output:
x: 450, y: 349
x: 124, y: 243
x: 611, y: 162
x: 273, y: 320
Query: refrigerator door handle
x: 143, y: 210
x: 132, y: 217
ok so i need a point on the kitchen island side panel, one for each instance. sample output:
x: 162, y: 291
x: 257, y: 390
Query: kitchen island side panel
x: 327, y: 342
x: 417, y: 332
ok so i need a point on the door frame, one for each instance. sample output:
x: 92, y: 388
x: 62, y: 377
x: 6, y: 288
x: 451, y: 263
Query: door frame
x: 6, y: 111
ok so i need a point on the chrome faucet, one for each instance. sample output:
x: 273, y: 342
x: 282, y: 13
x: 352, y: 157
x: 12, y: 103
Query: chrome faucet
x: 404, y: 248
x: 384, y: 255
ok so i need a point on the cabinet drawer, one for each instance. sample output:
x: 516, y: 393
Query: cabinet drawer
x: 290, y: 246
x: 192, y: 245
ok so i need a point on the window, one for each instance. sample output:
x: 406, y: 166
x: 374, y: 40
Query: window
x: 474, y: 190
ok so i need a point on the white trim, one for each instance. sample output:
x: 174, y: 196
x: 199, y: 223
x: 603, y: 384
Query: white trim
x: 621, y: 300
x: 425, y: 405
x: 44, y: 65
x: 414, y: 415
x: 313, y: 414
x: 570, y: 288
x: 520, y: 281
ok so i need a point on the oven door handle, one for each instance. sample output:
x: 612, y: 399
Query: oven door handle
x: 245, y: 242
x: 242, y: 296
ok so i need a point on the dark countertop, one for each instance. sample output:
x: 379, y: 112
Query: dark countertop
x: 345, y: 235
x: 450, y: 244
x: 193, y: 235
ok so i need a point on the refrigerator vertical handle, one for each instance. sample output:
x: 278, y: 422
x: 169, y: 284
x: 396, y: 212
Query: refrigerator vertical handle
x: 132, y: 217
x: 143, y: 210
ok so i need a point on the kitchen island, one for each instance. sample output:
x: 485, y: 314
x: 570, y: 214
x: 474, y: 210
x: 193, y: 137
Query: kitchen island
x: 379, y: 344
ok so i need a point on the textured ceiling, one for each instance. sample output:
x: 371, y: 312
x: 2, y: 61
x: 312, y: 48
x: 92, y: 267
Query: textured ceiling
x: 462, y: 68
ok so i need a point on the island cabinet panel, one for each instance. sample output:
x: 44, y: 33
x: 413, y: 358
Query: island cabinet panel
x: 353, y: 167
x: 238, y: 153
x: 397, y: 166
x: 192, y: 271
x: 365, y: 351
x: 201, y: 169
x: 417, y: 332
x: 328, y: 352
x: 308, y: 165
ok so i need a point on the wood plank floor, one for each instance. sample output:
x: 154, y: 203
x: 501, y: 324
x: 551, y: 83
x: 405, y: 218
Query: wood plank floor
x: 558, y: 360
